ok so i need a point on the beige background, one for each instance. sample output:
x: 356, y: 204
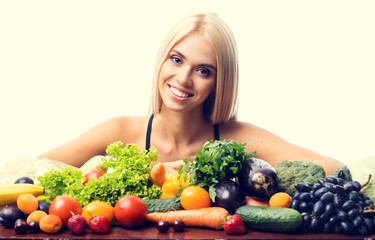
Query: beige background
x: 306, y: 68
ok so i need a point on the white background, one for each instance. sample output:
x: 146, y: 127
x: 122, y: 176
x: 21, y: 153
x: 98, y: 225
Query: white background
x: 306, y: 68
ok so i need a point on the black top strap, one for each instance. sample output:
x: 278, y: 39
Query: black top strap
x: 148, y: 134
x: 216, y: 131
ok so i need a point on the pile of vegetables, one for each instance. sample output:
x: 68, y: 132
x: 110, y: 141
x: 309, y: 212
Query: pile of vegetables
x: 219, y: 163
x: 130, y: 171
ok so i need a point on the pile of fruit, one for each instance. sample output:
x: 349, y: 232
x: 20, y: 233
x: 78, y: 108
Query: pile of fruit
x: 224, y: 188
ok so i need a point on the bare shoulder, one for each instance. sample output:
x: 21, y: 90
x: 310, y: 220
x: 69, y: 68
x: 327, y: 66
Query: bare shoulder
x: 243, y: 131
x: 129, y: 129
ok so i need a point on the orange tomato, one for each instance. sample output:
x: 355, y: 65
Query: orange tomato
x: 195, y: 197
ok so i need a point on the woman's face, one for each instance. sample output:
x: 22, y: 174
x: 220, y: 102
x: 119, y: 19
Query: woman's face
x: 188, y: 76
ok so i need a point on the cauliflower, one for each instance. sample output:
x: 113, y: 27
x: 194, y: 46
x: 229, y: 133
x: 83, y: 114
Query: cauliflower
x: 292, y: 172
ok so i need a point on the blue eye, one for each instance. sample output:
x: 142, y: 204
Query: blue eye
x: 175, y: 59
x: 204, y: 72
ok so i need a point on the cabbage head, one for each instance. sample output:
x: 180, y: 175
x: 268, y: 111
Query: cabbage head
x: 360, y: 170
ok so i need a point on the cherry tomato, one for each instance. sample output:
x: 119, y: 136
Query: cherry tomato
x: 64, y: 206
x: 130, y: 211
x: 95, y: 173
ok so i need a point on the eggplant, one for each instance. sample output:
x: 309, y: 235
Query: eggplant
x: 229, y: 195
x: 258, y: 179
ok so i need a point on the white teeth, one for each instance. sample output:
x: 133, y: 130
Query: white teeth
x: 178, y: 93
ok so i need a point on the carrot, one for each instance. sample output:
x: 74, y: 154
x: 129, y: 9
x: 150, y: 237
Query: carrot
x: 210, y: 217
x: 158, y: 174
x: 255, y: 202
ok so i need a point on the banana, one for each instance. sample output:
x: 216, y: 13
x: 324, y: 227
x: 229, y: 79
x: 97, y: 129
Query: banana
x: 10, y: 192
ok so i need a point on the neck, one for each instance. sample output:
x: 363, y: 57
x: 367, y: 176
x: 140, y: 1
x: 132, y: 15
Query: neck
x: 182, y: 127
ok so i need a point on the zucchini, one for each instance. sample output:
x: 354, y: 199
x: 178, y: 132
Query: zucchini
x: 270, y: 219
x: 161, y: 205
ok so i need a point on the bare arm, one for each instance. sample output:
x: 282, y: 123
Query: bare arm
x: 91, y: 143
x: 272, y: 148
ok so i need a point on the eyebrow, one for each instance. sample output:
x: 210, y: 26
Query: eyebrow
x: 201, y: 65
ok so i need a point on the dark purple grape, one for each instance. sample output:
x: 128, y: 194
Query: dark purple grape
x: 24, y: 180
x: 362, y: 230
x: 178, y: 225
x: 318, y: 208
x: 338, y: 229
x: 305, y: 197
x: 357, y: 186
x: 163, y: 226
x: 368, y: 222
x: 330, y: 208
x: 295, y: 204
x: 339, y: 190
x: 353, y: 195
x: 342, y: 215
x: 326, y: 197
x: 327, y: 228
x: 315, y: 225
x: 296, y: 195
x: 306, y: 219
x: 346, y: 227
x: 301, y: 187
x: 324, y: 217
x: 303, y: 206
x: 322, y: 181
x: 316, y: 186
x: 20, y: 226
x: 348, y: 205
x: 333, y: 220
x: 331, y: 179
x: 9, y: 215
x: 329, y: 185
x: 352, y: 214
x: 43, y: 206
x: 318, y: 193
x: 349, y: 187
x: 338, y: 200
x: 34, y: 226
x: 357, y: 221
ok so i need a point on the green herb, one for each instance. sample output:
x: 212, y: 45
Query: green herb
x: 218, y: 160
x: 130, y: 175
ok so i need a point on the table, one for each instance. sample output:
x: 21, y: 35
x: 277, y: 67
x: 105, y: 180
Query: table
x: 149, y: 231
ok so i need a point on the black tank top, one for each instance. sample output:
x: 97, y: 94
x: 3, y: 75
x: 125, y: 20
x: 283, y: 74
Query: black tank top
x: 148, y: 134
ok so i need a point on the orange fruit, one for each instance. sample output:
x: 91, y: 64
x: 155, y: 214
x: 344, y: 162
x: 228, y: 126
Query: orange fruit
x: 36, y: 215
x: 50, y: 224
x: 194, y: 197
x: 27, y: 203
x: 98, y: 208
x: 280, y: 199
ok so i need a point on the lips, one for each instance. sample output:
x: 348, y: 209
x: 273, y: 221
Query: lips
x: 179, y: 93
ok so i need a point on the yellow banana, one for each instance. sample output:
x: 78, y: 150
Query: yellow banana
x: 10, y: 192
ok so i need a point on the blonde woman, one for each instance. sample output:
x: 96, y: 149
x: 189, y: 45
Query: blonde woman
x: 194, y: 100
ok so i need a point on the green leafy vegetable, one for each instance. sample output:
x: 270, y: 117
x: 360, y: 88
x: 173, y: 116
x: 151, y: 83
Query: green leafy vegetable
x: 130, y: 171
x: 58, y: 182
x: 218, y: 160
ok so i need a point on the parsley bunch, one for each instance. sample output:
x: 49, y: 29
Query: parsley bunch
x: 218, y: 160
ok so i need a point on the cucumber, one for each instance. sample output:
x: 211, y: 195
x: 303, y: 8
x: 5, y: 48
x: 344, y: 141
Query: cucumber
x: 161, y: 205
x: 270, y: 219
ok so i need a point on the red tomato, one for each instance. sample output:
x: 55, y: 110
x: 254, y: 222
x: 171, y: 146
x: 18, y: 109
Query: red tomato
x: 64, y: 206
x: 130, y: 211
x: 95, y: 173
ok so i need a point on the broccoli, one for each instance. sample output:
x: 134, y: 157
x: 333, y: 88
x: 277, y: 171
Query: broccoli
x: 292, y: 172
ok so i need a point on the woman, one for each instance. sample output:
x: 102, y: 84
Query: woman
x: 194, y: 100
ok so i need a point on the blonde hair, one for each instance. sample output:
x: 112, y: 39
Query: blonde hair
x: 221, y: 105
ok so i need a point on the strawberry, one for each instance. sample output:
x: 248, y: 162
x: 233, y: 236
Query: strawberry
x: 99, y: 224
x: 77, y: 224
x: 234, y: 225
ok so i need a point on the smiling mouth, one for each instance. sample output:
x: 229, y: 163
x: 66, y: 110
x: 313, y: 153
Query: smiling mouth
x: 178, y: 93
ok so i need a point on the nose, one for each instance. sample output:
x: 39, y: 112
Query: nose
x: 184, y: 77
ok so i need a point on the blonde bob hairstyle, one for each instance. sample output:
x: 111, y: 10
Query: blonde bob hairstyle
x: 221, y: 105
